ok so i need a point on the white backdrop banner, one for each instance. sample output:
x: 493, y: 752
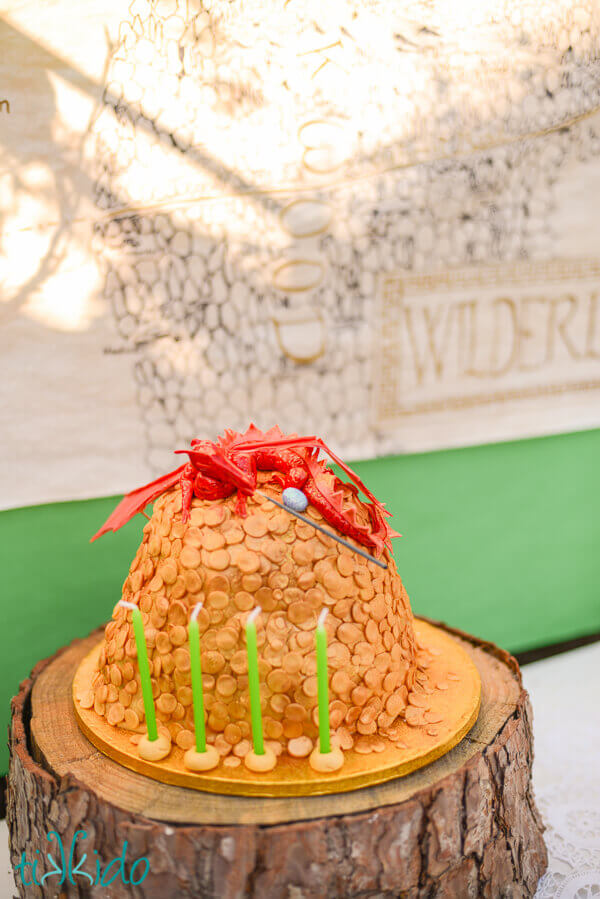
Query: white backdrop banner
x: 372, y: 226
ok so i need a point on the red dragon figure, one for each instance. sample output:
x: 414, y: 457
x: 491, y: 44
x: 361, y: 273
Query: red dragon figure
x: 217, y: 470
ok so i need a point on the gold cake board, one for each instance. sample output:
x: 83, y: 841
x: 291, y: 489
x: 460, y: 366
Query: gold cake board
x: 457, y: 705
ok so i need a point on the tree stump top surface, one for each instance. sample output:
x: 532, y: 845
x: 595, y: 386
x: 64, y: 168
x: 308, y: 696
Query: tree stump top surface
x: 59, y: 746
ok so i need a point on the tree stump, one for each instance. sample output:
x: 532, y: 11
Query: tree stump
x: 464, y: 826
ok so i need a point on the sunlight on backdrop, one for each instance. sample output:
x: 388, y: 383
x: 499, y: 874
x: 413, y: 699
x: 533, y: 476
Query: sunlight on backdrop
x: 368, y: 223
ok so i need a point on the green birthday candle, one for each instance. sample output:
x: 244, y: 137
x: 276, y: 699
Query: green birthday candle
x: 196, y: 671
x: 253, y: 682
x: 144, y: 669
x: 322, y: 683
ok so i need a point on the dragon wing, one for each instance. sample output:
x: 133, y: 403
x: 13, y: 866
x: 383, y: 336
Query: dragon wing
x: 136, y: 501
x: 270, y: 440
x: 309, y: 442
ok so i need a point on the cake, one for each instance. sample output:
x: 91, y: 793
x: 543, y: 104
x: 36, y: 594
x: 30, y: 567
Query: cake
x: 221, y: 535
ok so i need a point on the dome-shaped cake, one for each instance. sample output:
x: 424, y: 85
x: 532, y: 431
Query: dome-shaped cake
x: 233, y: 556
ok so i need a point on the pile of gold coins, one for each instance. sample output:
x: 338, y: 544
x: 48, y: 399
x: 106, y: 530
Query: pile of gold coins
x: 377, y: 674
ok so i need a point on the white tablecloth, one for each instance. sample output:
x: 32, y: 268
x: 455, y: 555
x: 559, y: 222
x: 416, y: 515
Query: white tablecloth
x: 565, y: 693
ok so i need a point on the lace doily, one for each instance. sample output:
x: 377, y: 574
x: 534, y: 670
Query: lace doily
x: 569, y: 886
x: 573, y: 840
x: 568, y: 794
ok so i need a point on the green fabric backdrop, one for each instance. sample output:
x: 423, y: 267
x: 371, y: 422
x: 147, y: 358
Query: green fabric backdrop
x: 499, y: 540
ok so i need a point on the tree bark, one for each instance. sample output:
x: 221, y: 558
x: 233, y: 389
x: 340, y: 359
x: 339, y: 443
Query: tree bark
x: 464, y: 826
